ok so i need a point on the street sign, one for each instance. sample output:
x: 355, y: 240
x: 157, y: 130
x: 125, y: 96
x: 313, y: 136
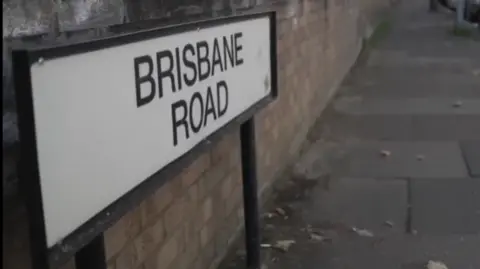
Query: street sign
x: 98, y: 119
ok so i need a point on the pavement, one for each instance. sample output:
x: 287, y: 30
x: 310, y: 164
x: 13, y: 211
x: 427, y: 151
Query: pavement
x: 392, y: 176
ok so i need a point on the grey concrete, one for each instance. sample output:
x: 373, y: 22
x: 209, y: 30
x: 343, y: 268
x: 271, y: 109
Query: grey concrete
x: 471, y: 152
x: 409, y: 252
x: 438, y: 160
x: 446, y: 206
x: 405, y: 127
x: 360, y: 202
x: 357, y: 105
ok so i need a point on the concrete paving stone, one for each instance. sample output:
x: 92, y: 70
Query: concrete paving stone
x: 357, y: 105
x: 365, y: 203
x: 406, y: 127
x: 471, y: 153
x: 445, y: 206
x: 440, y: 160
x: 373, y: 127
x: 409, y: 252
x: 451, y: 127
x: 399, y: 59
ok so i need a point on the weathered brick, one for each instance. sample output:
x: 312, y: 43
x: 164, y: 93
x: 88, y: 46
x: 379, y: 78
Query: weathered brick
x: 117, y: 236
x: 234, y: 200
x: 175, y: 214
x: 154, y: 205
x: 227, y: 186
x: 167, y: 253
x: 224, y: 146
x: 212, y: 177
x: 206, y: 233
x: 196, y: 169
x: 192, y: 241
x: 207, y: 211
x: 127, y: 258
x: 208, y: 255
x: 149, y: 239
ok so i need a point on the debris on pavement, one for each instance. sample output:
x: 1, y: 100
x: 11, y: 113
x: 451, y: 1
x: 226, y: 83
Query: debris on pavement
x: 269, y: 215
x: 281, y: 211
x: 389, y: 223
x: 362, y: 232
x: 385, y: 153
x: 284, y: 245
x: 458, y: 104
x: 436, y: 265
x: 420, y: 157
x: 319, y: 238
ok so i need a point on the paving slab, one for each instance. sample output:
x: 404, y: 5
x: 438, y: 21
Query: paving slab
x: 405, y: 160
x: 405, y: 127
x: 446, y: 206
x: 471, y: 152
x: 446, y: 127
x: 358, y: 105
x: 414, y: 252
x: 365, y: 203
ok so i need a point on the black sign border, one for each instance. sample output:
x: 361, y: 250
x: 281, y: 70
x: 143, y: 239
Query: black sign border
x: 22, y: 58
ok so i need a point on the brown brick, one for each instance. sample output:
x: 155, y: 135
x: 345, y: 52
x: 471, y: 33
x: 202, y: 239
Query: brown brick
x: 111, y: 265
x: 193, y: 193
x: 149, y: 239
x: 224, y: 146
x: 155, y: 204
x: 227, y: 186
x: 175, y: 214
x: 212, y: 177
x: 167, y: 253
x: 121, y: 232
x: 234, y: 200
x: 127, y: 258
x: 208, y: 255
x: 192, y: 241
x: 207, y: 209
x: 206, y: 233
x: 195, y: 170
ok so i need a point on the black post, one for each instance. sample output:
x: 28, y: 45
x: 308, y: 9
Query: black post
x: 433, y: 5
x: 250, y: 194
x: 92, y: 256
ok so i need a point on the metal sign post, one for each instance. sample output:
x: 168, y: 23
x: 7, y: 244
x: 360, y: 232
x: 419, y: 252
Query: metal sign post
x: 250, y: 194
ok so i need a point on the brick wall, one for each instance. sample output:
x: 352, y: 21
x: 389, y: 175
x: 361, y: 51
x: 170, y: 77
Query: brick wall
x: 191, y: 221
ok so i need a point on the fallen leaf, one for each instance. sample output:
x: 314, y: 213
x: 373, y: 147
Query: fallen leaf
x: 280, y: 211
x: 389, y: 223
x: 269, y: 215
x: 385, y: 153
x: 458, y: 104
x: 436, y: 265
x: 284, y: 245
x: 319, y: 238
x: 363, y: 232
